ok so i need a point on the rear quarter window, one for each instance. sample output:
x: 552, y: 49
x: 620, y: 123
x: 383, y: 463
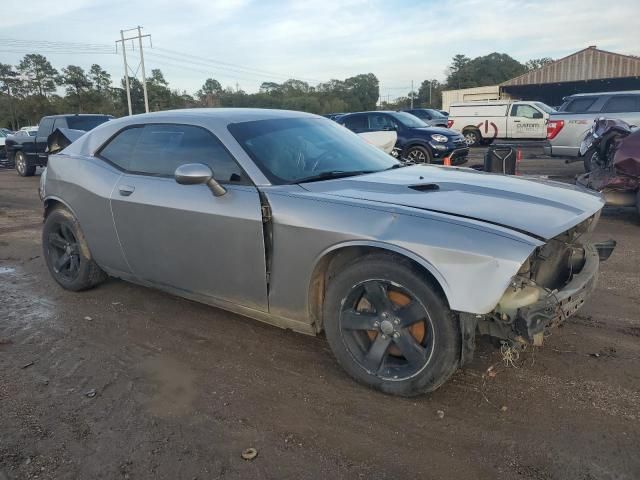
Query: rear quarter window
x: 622, y: 104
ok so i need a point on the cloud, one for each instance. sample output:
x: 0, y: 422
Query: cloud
x: 323, y: 39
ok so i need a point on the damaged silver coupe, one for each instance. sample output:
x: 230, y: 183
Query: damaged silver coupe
x: 293, y: 220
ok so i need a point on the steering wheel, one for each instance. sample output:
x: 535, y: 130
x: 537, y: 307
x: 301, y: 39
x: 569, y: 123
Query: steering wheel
x: 320, y: 159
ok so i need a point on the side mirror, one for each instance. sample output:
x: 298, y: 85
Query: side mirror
x: 537, y: 115
x: 197, y: 174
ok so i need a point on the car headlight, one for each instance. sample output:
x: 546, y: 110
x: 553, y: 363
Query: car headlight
x: 437, y: 137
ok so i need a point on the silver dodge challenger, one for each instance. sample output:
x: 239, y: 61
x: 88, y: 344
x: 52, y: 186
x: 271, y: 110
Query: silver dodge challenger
x: 291, y: 219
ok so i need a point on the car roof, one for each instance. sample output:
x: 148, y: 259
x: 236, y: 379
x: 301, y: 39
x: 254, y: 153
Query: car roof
x: 232, y: 115
x: 370, y: 111
x: 69, y: 115
x: 593, y: 94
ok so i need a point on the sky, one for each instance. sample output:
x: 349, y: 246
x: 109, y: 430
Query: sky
x: 246, y: 42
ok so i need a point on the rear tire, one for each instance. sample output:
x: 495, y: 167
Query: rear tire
x: 67, y: 254
x: 472, y: 137
x: 22, y: 165
x: 389, y: 328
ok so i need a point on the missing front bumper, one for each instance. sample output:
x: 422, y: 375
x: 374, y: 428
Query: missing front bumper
x: 531, y: 322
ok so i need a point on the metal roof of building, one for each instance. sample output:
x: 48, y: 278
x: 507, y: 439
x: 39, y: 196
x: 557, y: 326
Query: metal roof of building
x: 588, y: 64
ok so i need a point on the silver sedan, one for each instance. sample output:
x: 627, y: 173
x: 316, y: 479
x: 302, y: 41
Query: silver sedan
x: 291, y: 219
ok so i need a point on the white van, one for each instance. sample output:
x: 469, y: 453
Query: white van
x: 483, y: 122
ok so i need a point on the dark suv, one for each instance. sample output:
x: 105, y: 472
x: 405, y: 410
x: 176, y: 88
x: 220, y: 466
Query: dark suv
x: 431, y: 117
x: 416, y: 140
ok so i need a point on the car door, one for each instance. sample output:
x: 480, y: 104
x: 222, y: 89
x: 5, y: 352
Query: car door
x: 380, y: 132
x: 526, y: 121
x: 182, y: 236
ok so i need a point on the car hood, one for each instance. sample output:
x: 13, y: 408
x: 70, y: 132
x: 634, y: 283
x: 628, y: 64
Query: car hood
x: 432, y: 130
x: 537, y: 207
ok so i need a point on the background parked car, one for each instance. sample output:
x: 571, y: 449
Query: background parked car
x: 431, y: 117
x: 3, y: 151
x: 483, y: 122
x: 416, y: 140
x: 567, y: 128
x: 28, y: 150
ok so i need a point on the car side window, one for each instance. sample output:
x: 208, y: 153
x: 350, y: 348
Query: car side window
x: 120, y: 149
x: 524, y: 111
x: 379, y: 121
x: 423, y: 114
x: 580, y: 105
x: 158, y: 149
x: 622, y: 104
x: 356, y: 123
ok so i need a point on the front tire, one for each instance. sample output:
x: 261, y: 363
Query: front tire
x: 591, y: 159
x: 22, y: 165
x: 418, y: 154
x: 389, y: 328
x: 67, y: 254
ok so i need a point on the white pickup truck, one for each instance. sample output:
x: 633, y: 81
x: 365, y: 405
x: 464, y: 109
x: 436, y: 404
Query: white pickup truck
x: 483, y: 122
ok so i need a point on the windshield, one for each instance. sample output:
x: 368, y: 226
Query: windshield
x: 290, y: 150
x: 544, y: 107
x: 86, y: 123
x: 436, y: 114
x: 2, y: 134
x: 408, y: 120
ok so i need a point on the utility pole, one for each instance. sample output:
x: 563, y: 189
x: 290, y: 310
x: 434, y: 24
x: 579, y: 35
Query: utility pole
x: 430, y: 83
x: 126, y: 70
x: 411, y: 94
x: 141, y: 65
x: 144, y: 76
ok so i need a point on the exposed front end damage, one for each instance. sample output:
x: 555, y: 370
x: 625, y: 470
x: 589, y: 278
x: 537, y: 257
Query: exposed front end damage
x: 552, y: 284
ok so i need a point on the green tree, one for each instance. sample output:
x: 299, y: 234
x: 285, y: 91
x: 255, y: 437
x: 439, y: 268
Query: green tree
x: 100, y: 78
x: 430, y: 94
x: 363, y: 91
x: 40, y: 77
x: 210, y: 92
x: 536, y: 63
x: 158, y: 91
x: 487, y: 70
x: 78, y: 84
x: 9, y: 83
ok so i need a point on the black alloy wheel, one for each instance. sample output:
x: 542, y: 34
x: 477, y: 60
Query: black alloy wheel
x: 386, y: 329
x: 64, y: 251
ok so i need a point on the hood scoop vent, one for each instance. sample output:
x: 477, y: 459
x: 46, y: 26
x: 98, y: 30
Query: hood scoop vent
x: 426, y: 187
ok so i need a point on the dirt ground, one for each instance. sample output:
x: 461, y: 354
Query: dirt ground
x: 127, y: 382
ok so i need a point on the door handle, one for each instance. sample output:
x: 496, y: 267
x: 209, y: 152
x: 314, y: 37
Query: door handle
x: 516, y: 121
x: 126, y: 190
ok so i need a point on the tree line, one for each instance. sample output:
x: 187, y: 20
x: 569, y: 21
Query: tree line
x: 464, y: 72
x: 34, y: 88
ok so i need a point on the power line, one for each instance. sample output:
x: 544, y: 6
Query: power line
x: 237, y: 66
x: 190, y: 64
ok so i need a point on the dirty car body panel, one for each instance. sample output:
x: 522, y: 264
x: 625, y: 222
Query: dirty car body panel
x: 258, y: 248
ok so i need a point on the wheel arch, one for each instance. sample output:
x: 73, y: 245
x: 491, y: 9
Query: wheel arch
x: 337, y: 256
x: 51, y: 202
x: 467, y: 128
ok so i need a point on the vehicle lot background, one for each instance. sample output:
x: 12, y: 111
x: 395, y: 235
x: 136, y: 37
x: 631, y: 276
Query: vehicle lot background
x: 182, y: 388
